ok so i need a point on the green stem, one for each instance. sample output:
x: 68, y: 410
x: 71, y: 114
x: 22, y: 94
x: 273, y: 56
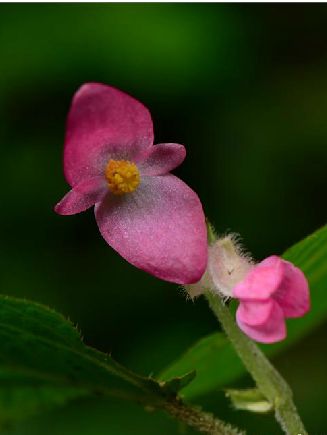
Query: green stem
x: 268, y: 380
x: 203, y: 422
x: 155, y: 395
x: 192, y: 416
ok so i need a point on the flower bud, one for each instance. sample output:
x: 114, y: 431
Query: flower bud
x: 227, y: 264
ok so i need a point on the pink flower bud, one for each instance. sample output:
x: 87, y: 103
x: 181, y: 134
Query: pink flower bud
x: 271, y: 292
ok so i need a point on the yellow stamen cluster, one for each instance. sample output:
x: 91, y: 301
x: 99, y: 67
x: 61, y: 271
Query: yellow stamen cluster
x: 122, y: 176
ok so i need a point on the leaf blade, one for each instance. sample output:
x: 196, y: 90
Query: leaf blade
x: 44, y: 363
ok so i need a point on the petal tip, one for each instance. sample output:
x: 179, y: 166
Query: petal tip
x: 59, y: 209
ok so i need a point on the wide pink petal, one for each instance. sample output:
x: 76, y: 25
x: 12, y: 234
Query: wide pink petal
x: 274, y: 329
x: 82, y: 196
x: 103, y: 122
x: 255, y: 312
x: 261, y: 281
x: 159, y: 228
x: 162, y: 158
x: 293, y: 294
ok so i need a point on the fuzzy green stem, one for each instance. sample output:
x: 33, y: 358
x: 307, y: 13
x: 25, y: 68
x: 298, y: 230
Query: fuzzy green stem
x: 268, y: 380
x: 203, y: 422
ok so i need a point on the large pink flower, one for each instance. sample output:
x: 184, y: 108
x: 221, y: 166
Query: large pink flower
x: 153, y: 219
x: 270, y: 292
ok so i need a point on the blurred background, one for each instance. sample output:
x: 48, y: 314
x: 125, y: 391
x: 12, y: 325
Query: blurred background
x: 244, y: 87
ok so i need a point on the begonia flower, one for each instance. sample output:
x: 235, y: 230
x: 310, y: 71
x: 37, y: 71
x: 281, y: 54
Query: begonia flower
x: 149, y: 216
x: 271, y: 292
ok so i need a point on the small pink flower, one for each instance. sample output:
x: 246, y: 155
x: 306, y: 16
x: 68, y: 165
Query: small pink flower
x: 270, y: 292
x: 149, y: 216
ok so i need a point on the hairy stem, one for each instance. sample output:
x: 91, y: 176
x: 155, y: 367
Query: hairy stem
x: 267, y: 378
x: 202, y: 421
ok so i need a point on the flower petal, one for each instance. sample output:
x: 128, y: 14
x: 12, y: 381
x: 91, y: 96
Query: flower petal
x: 162, y: 158
x: 274, y: 329
x: 261, y: 281
x: 255, y: 312
x: 293, y: 293
x: 103, y: 122
x: 159, y: 228
x: 82, y: 196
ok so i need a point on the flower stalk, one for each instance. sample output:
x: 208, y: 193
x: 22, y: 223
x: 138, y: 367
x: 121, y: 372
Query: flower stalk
x: 268, y: 380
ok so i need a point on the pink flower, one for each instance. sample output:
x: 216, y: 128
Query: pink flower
x: 271, y: 292
x: 149, y: 216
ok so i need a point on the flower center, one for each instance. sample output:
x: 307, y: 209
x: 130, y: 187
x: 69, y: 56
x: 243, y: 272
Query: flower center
x: 122, y: 176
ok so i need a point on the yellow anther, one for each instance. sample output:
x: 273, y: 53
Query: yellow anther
x: 122, y: 176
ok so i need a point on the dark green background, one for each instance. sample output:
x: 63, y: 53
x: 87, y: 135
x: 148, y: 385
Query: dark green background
x: 244, y: 87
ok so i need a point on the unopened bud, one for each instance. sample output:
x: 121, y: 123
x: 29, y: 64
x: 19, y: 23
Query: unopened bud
x: 227, y: 264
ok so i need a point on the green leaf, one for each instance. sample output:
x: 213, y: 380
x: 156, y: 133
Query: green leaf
x: 249, y: 400
x: 213, y: 358
x: 44, y: 363
x: 208, y: 358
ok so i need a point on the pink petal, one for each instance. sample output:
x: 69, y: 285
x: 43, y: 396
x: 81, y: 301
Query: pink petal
x: 293, y: 293
x: 255, y: 312
x: 82, y: 196
x: 103, y: 122
x: 159, y: 228
x: 162, y: 158
x: 274, y: 329
x: 261, y: 281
